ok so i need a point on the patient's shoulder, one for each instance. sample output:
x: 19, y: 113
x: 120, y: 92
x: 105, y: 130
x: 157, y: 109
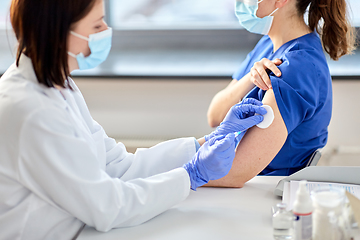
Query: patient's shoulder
x: 307, y: 47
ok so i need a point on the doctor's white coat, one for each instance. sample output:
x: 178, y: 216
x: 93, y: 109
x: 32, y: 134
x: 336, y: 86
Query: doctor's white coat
x: 59, y: 170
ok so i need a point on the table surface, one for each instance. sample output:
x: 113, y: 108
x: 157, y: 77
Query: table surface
x: 208, y: 213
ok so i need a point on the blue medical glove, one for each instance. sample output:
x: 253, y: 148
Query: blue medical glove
x: 212, y: 161
x: 240, y: 117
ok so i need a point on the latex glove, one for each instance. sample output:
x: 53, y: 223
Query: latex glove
x: 240, y: 117
x: 212, y: 161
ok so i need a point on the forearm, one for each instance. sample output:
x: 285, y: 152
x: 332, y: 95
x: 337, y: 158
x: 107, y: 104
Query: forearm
x: 147, y: 162
x: 226, y: 98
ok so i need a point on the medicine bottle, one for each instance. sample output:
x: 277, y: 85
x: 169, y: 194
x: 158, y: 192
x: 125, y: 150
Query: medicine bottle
x: 302, y: 210
x: 282, y: 223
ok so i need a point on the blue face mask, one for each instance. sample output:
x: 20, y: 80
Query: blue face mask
x: 245, y: 11
x: 99, y: 44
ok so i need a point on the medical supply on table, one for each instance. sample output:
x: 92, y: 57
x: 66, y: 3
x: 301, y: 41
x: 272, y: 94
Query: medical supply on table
x: 245, y: 11
x: 330, y: 175
x: 99, y: 44
x: 212, y: 161
x: 330, y: 216
x: 268, y: 117
x: 303, y: 213
x: 291, y: 187
x: 282, y: 223
x: 355, y: 207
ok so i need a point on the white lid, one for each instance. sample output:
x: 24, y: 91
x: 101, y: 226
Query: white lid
x: 303, y: 203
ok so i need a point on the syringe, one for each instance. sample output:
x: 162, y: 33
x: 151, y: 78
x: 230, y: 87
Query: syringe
x: 237, y: 134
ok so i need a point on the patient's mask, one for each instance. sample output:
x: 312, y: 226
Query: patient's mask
x: 245, y: 11
x: 99, y: 44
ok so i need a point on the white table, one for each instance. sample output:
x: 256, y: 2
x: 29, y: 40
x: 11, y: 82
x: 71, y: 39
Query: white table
x: 208, y: 213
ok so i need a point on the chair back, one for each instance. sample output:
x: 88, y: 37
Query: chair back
x: 314, y: 158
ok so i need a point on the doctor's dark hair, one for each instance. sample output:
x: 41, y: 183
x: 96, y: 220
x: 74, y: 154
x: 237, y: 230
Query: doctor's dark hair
x: 41, y: 28
x: 329, y: 19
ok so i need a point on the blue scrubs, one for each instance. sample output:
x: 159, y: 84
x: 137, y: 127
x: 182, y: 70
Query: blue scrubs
x: 303, y: 94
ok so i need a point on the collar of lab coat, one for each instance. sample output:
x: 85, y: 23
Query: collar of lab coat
x: 26, y: 69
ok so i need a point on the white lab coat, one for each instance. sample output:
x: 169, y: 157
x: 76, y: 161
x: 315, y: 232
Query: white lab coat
x: 59, y: 170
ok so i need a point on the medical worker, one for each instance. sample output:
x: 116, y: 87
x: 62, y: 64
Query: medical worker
x: 299, y: 90
x: 58, y: 169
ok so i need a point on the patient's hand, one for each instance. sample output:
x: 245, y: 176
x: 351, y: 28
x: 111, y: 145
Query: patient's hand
x: 259, y: 72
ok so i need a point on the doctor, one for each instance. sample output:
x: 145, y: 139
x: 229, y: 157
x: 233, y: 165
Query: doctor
x: 58, y: 168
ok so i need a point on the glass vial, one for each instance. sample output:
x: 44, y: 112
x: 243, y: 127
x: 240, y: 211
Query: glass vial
x: 282, y: 223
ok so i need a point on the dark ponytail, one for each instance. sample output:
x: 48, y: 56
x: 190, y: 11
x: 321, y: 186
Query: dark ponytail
x: 329, y: 19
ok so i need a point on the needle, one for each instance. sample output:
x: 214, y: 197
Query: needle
x: 237, y: 134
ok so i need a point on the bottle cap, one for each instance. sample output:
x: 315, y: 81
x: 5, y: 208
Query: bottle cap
x: 303, y: 203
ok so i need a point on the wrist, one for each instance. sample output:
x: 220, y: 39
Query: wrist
x: 197, y: 144
x: 245, y: 85
x: 195, y: 178
x: 207, y: 137
x: 248, y: 82
x: 192, y: 175
x: 201, y: 141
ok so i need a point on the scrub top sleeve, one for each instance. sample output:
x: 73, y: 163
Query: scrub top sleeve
x: 60, y: 168
x: 295, y: 91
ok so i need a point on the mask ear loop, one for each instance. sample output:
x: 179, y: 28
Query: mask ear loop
x: 270, y: 13
x: 273, y: 12
x: 79, y: 36
x: 72, y: 55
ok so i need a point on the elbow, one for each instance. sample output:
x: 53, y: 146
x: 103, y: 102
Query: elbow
x: 101, y: 229
x: 102, y: 225
x: 236, y: 184
x: 106, y: 221
x: 213, y: 124
x: 212, y: 121
x: 235, y: 179
x: 227, y: 182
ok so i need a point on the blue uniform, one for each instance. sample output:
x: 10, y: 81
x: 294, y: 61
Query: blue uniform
x: 303, y: 94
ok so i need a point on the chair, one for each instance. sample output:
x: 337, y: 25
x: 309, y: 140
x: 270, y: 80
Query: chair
x: 314, y: 158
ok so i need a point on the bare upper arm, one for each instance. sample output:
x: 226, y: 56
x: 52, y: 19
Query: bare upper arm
x: 257, y: 149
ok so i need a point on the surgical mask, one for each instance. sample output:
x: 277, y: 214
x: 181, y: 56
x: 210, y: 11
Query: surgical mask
x: 245, y: 11
x: 99, y: 44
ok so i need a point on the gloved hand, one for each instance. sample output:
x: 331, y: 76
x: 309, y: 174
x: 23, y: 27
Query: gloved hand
x: 212, y: 161
x: 240, y: 118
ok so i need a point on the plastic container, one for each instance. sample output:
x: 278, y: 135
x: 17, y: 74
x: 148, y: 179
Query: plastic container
x: 330, y: 222
x: 302, y: 211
